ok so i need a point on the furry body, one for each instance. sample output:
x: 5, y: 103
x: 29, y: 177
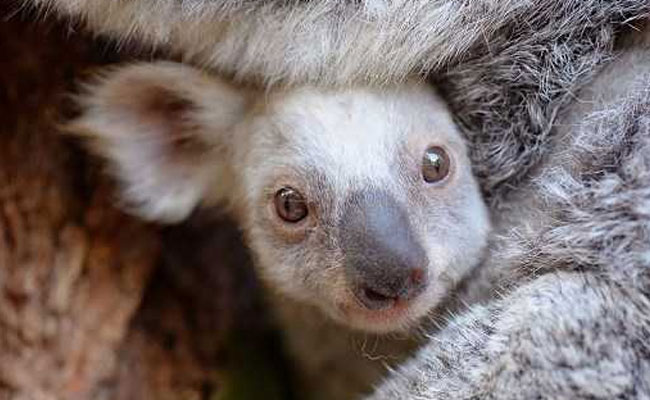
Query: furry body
x: 297, y: 42
x: 569, y: 260
x: 579, y: 328
x: 371, y: 40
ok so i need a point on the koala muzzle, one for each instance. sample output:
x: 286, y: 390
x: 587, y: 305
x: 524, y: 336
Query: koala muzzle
x: 383, y: 260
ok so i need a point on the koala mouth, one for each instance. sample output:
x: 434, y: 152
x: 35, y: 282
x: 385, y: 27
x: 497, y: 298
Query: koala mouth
x: 397, y: 315
x: 379, y: 311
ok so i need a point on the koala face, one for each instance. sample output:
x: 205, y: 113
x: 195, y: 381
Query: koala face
x: 360, y: 201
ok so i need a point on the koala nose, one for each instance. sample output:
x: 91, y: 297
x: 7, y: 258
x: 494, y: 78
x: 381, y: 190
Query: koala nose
x: 383, y: 259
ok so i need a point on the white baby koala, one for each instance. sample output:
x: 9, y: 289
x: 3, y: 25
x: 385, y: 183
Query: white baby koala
x: 359, y: 201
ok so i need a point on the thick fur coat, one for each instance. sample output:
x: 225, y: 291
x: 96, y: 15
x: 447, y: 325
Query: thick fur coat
x: 333, y: 41
x: 573, y: 318
x: 570, y: 195
x: 578, y: 326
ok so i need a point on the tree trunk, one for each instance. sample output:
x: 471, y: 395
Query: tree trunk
x: 74, y: 270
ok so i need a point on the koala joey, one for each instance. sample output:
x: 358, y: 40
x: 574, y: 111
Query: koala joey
x: 359, y: 201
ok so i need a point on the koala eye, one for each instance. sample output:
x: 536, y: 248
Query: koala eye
x: 290, y: 205
x: 435, y: 164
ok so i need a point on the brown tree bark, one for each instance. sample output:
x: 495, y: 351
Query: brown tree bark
x: 74, y: 270
x: 71, y: 270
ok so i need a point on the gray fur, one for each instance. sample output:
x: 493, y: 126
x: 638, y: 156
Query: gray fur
x: 326, y: 41
x: 331, y: 41
x: 509, y: 92
x: 579, y: 328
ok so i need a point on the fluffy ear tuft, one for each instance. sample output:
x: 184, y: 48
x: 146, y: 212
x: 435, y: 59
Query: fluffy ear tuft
x: 163, y: 127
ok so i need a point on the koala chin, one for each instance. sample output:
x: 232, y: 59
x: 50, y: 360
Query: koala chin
x: 360, y: 201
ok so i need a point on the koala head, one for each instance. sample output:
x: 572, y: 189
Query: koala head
x: 360, y: 201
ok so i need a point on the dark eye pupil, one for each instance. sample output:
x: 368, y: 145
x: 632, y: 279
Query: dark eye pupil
x: 290, y: 205
x: 435, y: 164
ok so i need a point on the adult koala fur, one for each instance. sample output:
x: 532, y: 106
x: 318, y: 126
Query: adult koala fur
x: 509, y: 68
x: 580, y: 326
x: 325, y: 41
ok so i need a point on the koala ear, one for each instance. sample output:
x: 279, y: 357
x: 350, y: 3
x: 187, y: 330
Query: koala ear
x: 164, y: 129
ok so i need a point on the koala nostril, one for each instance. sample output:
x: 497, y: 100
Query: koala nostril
x: 382, y: 294
x: 374, y: 295
x: 373, y: 300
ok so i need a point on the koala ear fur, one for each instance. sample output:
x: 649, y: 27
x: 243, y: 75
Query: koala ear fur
x: 164, y: 129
